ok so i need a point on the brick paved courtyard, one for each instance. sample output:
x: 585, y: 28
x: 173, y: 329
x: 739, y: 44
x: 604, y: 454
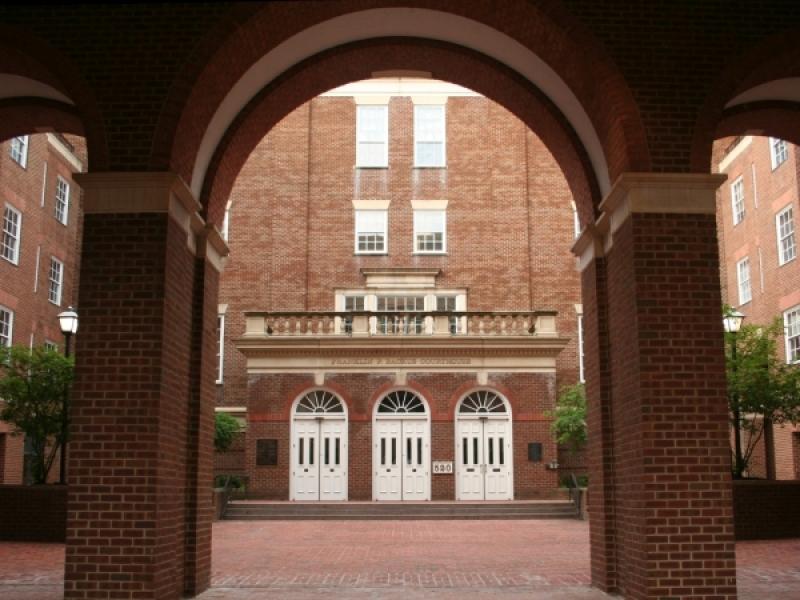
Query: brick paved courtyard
x: 446, y: 560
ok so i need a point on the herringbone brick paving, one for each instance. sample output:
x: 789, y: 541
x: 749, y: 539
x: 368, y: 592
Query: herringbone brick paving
x: 393, y: 560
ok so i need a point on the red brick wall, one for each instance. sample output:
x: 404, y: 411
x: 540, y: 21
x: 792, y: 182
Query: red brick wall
x: 35, y: 318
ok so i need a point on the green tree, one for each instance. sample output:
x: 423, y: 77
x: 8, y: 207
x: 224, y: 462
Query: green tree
x: 225, y: 430
x: 762, y: 388
x: 569, y: 424
x: 34, y: 385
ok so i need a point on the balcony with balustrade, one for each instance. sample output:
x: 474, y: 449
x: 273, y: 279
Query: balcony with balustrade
x: 508, y: 341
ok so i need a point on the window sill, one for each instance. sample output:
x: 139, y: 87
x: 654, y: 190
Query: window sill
x: 417, y: 253
x: 443, y: 167
x: 370, y: 254
x: 372, y: 167
x: 786, y: 262
x: 16, y: 264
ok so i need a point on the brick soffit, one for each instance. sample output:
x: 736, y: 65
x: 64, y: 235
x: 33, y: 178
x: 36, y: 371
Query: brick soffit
x: 664, y: 193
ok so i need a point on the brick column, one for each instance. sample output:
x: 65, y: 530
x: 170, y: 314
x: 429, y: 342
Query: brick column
x: 136, y: 522
x: 599, y: 416
x: 661, y: 515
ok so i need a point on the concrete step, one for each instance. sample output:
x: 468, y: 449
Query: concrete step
x: 250, y: 510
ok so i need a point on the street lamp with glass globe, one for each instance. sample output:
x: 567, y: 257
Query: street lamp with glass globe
x: 68, y: 321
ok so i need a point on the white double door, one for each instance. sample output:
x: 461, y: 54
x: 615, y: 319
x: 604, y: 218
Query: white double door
x: 485, y: 462
x: 319, y: 459
x: 401, y: 459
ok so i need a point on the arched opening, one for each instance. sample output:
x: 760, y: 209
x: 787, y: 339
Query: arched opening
x: 484, y: 447
x: 319, y: 439
x: 401, y: 455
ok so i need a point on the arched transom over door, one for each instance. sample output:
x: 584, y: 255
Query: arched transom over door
x: 401, y: 448
x: 484, y: 449
x: 319, y: 448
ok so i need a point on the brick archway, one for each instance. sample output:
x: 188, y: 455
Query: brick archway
x: 758, y: 92
x: 597, y: 106
x: 359, y: 61
x: 44, y: 91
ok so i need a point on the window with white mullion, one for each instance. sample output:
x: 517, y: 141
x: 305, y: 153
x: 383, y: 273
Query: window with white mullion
x: 12, y: 226
x: 6, y: 326
x: 371, y: 226
x: 62, y: 200
x: 429, y: 135
x: 778, y: 152
x: 743, y: 278
x: 56, y: 279
x: 430, y: 231
x: 784, y: 225
x: 372, y: 135
x: 791, y: 324
x: 401, y: 324
x: 19, y: 150
x: 737, y: 200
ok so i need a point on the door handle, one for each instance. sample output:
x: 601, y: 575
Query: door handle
x: 495, y: 470
x: 388, y: 470
x: 332, y: 470
x: 470, y: 470
x: 305, y: 470
x: 413, y: 470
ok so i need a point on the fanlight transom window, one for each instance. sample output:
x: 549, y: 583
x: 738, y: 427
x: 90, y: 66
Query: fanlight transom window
x: 482, y: 402
x: 402, y: 402
x: 319, y: 402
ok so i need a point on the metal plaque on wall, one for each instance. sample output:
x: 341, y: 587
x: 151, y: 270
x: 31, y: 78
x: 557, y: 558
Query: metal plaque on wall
x: 266, y: 452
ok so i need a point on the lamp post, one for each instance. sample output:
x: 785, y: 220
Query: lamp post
x: 68, y: 321
x: 732, y: 322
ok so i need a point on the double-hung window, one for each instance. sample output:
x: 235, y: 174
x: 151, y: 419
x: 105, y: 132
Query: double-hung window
x: 352, y: 304
x: 778, y: 152
x: 56, y: 280
x: 429, y: 135
x: 19, y: 150
x: 737, y: 200
x: 12, y: 226
x: 448, y: 304
x: 371, y: 231
x: 743, y: 278
x: 791, y: 324
x: 430, y: 229
x: 784, y: 226
x: 62, y: 200
x: 372, y: 135
x: 6, y: 326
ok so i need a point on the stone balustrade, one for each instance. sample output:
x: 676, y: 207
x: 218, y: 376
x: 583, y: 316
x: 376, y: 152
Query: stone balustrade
x: 541, y: 324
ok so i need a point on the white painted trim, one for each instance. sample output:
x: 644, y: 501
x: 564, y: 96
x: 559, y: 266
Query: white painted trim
x: 429, y: 204
x: 427, y: 89
x: 787, y: 90
x: 371, y: 204
x: 743, y: 144
x: 68, y: 155
x: 230, y: 409
x: 16, y: 86
x: 403, y: 22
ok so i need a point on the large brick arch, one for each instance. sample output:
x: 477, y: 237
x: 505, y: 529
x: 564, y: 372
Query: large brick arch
x: 548, y: 32
x: 358, y: 61
x: 727, y: 111
x: 47, y: 93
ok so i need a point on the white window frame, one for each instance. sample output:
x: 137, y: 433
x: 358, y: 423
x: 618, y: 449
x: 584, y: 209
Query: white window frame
x: 7, y: 323
x: 581, y: 373
x: 55, y: 284
x: 791, y: 327
x: 385, y: 232
x: 419, y: 213
x: 361, y: 161
x: 442, y: 163
x: 50, y: 345
x: 15, y: 236
x: 791, y: 250
x: 744, y: 283
x: 18, y: 150
x: 220, y: 347
x: 61, y: 211
x: 737, y: 200
x: 226, y: 221
x: 778, y: 152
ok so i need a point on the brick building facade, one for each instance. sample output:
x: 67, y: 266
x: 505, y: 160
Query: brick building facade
x: 756, y: 214
x: 398, y: 201
x: 39, y: 253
